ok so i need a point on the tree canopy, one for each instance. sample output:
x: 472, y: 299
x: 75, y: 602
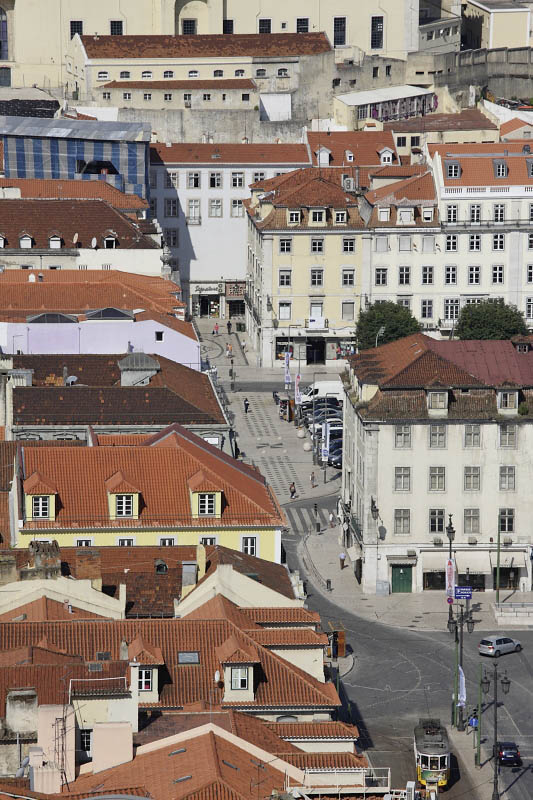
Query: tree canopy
x: 490, y: 320
x: 396, y: 320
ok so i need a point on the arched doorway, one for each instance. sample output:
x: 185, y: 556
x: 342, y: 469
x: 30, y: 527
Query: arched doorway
x: 191, y: 17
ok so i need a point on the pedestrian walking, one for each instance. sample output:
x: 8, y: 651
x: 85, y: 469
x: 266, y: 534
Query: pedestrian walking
x: 246, y: 405
x: 229, y: 327
x: 230, y: 350
x: 342, y: 559
x: 331, y: 520
x: 227, y: 351
x: 292, y: 490
x: 312, y: 480
x: 215, y: 329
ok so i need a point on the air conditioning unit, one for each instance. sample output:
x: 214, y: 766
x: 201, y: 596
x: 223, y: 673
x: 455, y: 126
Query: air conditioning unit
x: 221, y: 288
x: 437, y: 541
x: 349, y: 184
x: 411, y: 553
x: 187, y: 104
x: 472, y: 540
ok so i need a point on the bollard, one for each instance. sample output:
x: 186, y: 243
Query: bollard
x: 317, y: 526
x: 328, y: 584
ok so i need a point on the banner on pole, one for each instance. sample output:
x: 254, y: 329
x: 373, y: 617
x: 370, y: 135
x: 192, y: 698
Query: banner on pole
x: 450, y: 578
x: 461, y: 700
x: 325, y: 441
x: 297, y: 393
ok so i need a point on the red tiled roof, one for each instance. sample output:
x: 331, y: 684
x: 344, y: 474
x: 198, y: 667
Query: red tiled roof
x: 235, y: 651
x: 469, y: 119
x: 431, y: 369
x: 87, y: 217
x: 365, y: 146
x: 36, y: 484
x: 290, y: 615
x: 496, y: 363
x: 314, y: 730
x: 183, y: 153
x: 74, y: 190
x: 418, y: 189
x: 206, y: 46
x: 199, y: 83
x: 379, y: 364
x: 46, y: 609
x: 477, y: 163
x: 513, y: 125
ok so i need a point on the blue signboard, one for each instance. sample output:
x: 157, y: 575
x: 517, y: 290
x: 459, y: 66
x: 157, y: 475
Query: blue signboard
x: 463, y: 592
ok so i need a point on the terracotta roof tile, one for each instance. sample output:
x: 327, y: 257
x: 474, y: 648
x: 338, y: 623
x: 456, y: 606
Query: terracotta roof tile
x: 513, y: 125
x: 74, y: 190
x: 183, y: 153
x: 275, y: 576
x: 428, y: 369
x: 289, y: 637
x: 36, y: 484
x: 469, y: 119
x: 236, y: 651
x: 418, y: 189
x: 377, y: 365
x: 199, y: 83
x: 291, y: 615
x: 314, y: 730
x: 397, y: 405
x: 46, y: 609
x: 364, y: 145
x: 477, y: 163
x: 206, y: 45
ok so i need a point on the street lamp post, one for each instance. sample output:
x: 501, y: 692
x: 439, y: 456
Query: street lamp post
x: 485, y: 685
x: 456, y: 626
x: 374, y: 510
x: 450, y: 533
x: 315, y: 458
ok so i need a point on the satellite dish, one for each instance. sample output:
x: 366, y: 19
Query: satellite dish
x: 217, y: 676
x: 93, y: 242
x: 71, y: 380
x: 75, y: 238
x: 31, y: 277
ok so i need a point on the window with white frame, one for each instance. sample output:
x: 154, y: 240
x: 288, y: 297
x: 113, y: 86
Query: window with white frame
x: 193, y: 73
x: 193, y: 180
x: 208, y: 540
x: 472, y: 479
x: 106, y: 95
x: 340, y: 217
x: 381, y: 276
x: 215, y: 180
x: 171, y: 207
x: 145, y: 679
x: 471, y: 518
x: 167, y: 541
x: 284, y: 310
x: 474, y: 242
x: 260, y: 176
x: 497, y: 273
x: 285, y: 245
x: 428, y: 244
x: 404, y: 276
x: 384, y: 214
x: 206, y: 504
x: 126, y: 95
x: 474, y: 275
x: 508, y: 400
x: 317, y: 277
x: 437, y: 479
x: 294, y: 217
x: 249, y: 545
x: 451, y: 308
x: 168, y: 73
x: 237, y: 208
x: 404, y: 243
x: 86, y: 737
x: 473, y: 435
x: 83, y: 542
x: 427, y: 275
x: 170, y: 236
x: 404, y: 300
x: 402, y: 479
x: 147, y: 96
x: 348, y: 245
x: 529, y: 273
x: 529, y: 307
x: 452, y: 170
x: 506, y: 520
x: 475, y: 212
x: 172, y: 179
x: 317, y: 245
x: 402, y: 521
x: 237, y: 180
x: 382, y: 244
x: 285, y: 277
x: 498, y: 241
x: 348, y: 310
x: 500, y: 169
x: 193, y: 210
x: 239, y: 678
x: 40, y: 506
x: 508, y: 435
x: 499, y: 212
x: 450, y: 274
x: 317, y: 215
x: 507, y: 479
x: 348, y: 277
x: 437, y: 436
x: 124, y: 505
x: 437, y: 400
x: 206, y: 97
x: 451, y: 213
x: 239, y: 73
x: 146, y: 74
x: 427, y: 214
x: 25, y: 242
x: 125, y: 74
x: 451, y: 243
x: 436, y: 520
x: 426, y: 309
x: 402, y: 437
x: 126, y: 542
x: 215, y: 207
x: 103, y: 75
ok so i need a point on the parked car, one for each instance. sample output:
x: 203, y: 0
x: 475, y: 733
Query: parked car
x: 336, y: 460
x: 319, y: 421
x: 324, y: 388
x: 497, y: 645
x: 508, y: 753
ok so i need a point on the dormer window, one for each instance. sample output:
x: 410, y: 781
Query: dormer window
x: 2, y: 241
x: 206, y: 504
x: 294, y: 217
x: 508, y: 400
x: 427, y: 214
x: 386, y: 156
x: 124, y: 505
x: 110, y: 242
x: 40, y: 507
x: 25, y: 242
x: 349, y: 155
x: 500, y: 169
x: 453, y: 169
x: 437, y: 401
x: 405, y: 216
x: 317, y: 215
x: 239, y: 678
x: 54, y: 242
x: 340, y: 217
x: 384, y: 214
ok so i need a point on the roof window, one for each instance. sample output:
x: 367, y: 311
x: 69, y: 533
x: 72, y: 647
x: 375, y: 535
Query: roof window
x: 189, y: 657
x: 501, y: 169
x: 453, y: 169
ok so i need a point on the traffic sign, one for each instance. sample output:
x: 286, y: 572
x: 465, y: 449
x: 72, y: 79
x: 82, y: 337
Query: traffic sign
x: 449, y: 600
x: 463, y: 592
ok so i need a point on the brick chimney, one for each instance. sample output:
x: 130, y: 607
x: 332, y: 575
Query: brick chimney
x: 88, y: 565
x: 44, y: 561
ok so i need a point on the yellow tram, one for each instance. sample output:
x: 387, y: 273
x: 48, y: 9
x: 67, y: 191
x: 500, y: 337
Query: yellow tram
x: 432, y: 754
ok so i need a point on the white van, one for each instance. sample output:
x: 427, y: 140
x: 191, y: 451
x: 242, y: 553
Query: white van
x: 323, y: 389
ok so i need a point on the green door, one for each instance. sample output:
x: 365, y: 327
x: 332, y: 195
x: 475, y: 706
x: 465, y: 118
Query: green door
x: 402, y: 578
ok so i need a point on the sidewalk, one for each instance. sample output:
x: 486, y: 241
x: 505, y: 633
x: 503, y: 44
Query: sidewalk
x: 417, y: 611
x: 462, y: 746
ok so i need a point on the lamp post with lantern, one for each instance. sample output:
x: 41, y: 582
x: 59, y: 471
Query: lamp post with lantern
x: 485, y: 686
x: 450, y: 533
x: 456, y: 626
x: 374, y: 510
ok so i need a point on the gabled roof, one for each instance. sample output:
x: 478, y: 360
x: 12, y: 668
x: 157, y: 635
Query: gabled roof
x: 58, y: 189
x: 431, y: 370
x: 36, y: 484
x: 202, y: 481
x: 118, y: 482
x: 145, y: 652
x: 378, y: 365
x: 417, y: 190
x: 513, y: 125
x: 212, y: 154
x: 236, y: 651
x: 469, y: 119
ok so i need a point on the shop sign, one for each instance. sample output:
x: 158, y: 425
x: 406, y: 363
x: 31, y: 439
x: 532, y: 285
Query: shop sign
x: 235, y: 289
x: 214, y: 289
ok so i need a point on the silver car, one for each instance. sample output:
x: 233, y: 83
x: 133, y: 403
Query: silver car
x: 498, y: 644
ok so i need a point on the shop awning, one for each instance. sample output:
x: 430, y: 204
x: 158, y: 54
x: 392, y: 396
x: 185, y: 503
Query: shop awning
x: 434, y: 562
x: 477, y: 562
x: 508, y: 558
x: 399, y: 560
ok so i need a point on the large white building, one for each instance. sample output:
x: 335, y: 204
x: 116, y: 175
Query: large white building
x: 434, y: 428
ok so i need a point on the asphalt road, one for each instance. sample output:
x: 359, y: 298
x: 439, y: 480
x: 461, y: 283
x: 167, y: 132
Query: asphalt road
x: 400, y: 675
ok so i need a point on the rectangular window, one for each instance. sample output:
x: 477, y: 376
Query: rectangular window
x: 452, y: 170
x: 171, y: 179
x: 159, y: 336
x: 40, y: 505
x: 125, y: 543
x: 507, y: 479
x: 451, y: 308
x: 472, y: 436
x: 500, y: 169
x: 402, y: 479
x: 415, y: 141
x: 167, y: 541
x: 239, y: 677
x: 265, y: 26
x: 227, y: 26
x: 147, y: 96
x: 170, y: 236
x: 530, y: 241
x: 427, y: 275
x: 472, y: 479
x: 294, y: 216
x: 436, y: 520
x: 506, y: 520
x: 317, y: 245
x: 76, y: 27
x: 285, y: 245
x: 428, y: 244
x: 438, y: 400
x: 237, y: 208
x: 404, y: 244
x: 284, y: 310
x: 382, y: 244
x: 498, y: 241
x: 260, y: 176
x: 472, y: 520
x: 451, y: 243
x: 124, y: 505
x: 145, y: 680
x: 404, y: 301
x: 437, y: 436
x: 474, y: 242
x: 285, y: 276
x: 193, y: 180
x: 208, y: 540
x: 381, y: 276
x: 404, y: 276
x: 215, y: 207
x: 508, y: 436
x: 116, y: 27
x: 188, y: 27
x: 402, y: 520
x: 302, y: 25
x: 339, y: 31
x: 508, y: 400
x: 499, y: 212
x: 237, y: 180
x: 188, y: 657
x: 215, y: 180
x: 348, y: 310
x: 497, y: 273
x: 401, y: 141
x: 206, y: 504
x: 317, y: 277
x: 437, y: 479
x: 126, y: 95
x: 426, y: 309
x: 474, y: 275
x: 193, y: 209
x: 348, y: 245
x: 171, y: 207
x: 376, y: 33
x: 451, y: 213
x: 86, y: 735
x: 83, y: 542
x: 475, y: 213
x: 402, y: 437
x: 348, y: 277
x: 249, y: 545
x: 529, y: 307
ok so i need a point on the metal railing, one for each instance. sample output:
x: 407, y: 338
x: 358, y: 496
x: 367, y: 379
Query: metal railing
x: 375, y: 778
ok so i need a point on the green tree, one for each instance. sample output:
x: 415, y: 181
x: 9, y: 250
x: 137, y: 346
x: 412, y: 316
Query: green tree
x: 490, y: 320
x: 396, y: 320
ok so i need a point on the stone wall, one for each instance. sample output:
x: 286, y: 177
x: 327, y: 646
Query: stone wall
x: 507, y: 72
